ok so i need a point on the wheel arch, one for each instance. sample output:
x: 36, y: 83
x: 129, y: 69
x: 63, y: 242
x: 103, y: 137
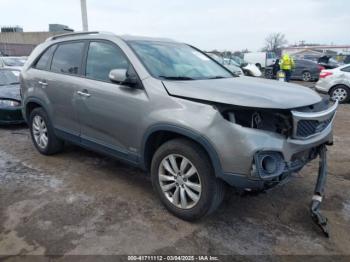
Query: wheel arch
x: 159, y: 134
x: 30, y: 105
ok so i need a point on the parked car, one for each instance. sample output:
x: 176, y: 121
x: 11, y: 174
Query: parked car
x: 248, y: 68
x: 12, y: 62
x: 10, y: 99
x: 167, y: 108
x: 336, y: 83
x: 306, y: 70
x: 234, y: 68
x: 260, y: 59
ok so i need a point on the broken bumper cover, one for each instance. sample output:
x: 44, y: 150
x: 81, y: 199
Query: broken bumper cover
x: 270, y: 167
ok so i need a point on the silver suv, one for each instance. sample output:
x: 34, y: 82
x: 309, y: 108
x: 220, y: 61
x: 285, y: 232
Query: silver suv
x: 170, y: 109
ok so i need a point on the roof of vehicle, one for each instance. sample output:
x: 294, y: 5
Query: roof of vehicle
x: 101, y: 34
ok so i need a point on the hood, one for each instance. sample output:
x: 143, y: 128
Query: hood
x: 10, y: 92
x: 245, y: 91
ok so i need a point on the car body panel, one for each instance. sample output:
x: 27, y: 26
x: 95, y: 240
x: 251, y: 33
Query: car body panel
x: 249, y: 92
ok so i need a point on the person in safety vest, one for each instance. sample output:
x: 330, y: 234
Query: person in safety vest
x: 287, y: 65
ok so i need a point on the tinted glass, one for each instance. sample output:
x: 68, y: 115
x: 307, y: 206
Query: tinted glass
x: 67, y: 58
x: 346, y: 69
x: 102, y: 58
x: 177, y: 61
x: 8, y: 77
x: 44, y: 59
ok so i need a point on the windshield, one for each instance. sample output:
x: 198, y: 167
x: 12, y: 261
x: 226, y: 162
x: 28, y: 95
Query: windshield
x: 177, y: 61
x: 8, y: 77
x: 13, y: 61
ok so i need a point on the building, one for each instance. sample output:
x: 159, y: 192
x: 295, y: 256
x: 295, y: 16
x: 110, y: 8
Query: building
x: 19, y: 43
x: 59, y: 28
x: 317, y: 50
x: 8, y: 29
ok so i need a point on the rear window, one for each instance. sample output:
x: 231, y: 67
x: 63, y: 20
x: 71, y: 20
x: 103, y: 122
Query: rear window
x: 67, y: 58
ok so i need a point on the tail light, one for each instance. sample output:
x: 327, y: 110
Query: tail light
x: 321, y: 68
x: 324, y: 74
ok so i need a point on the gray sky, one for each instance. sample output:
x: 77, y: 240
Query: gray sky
x: 207, y: 24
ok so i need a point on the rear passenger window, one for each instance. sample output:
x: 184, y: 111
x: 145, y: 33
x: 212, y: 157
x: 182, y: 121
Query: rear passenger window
x: 67, y: 58
x: 102, y: 58
x: 42, y: 63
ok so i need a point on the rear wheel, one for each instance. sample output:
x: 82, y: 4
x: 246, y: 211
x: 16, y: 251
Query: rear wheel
x: 306, y: 76
x: 184, y: 180
x: 42, y: 133
x: 341, y: 93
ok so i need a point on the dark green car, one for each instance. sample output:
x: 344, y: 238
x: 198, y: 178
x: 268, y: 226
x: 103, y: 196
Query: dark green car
x: 10, y: 98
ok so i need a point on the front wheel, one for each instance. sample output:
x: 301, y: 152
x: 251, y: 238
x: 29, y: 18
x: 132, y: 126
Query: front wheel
x: 184, y: 180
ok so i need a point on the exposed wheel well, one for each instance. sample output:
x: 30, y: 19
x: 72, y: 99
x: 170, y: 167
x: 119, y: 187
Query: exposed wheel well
x: 30, y: 107
x: 156, y: 139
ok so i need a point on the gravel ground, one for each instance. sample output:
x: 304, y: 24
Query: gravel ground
x: 79, y: 202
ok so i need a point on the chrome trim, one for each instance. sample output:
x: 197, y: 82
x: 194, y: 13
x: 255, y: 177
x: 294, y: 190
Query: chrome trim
x: 319, y: 116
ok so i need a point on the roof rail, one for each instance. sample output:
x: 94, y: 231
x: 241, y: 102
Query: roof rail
x: 71, y: 34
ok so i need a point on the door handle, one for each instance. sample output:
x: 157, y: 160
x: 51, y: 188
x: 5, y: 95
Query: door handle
x: 83, y: 93
x: 43, y: 84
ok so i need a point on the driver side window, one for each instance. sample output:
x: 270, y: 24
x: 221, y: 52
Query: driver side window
x: 102, y: 58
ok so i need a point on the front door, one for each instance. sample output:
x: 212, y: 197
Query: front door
x: 109, y: 113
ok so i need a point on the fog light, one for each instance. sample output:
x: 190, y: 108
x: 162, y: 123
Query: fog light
x: 269, y: 164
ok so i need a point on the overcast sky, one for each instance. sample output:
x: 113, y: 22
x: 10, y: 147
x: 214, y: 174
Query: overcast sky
x: 207, y: 24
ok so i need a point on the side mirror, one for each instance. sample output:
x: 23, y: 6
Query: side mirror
x: 123, y: 76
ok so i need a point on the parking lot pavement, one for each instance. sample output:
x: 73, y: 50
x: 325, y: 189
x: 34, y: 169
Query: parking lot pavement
x: 79, y: 202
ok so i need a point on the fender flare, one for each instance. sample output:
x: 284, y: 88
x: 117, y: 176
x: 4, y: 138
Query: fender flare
x: 200, y: 139
x: 34, y: 100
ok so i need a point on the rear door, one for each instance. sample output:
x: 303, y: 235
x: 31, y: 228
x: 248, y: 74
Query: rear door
x: 61, y: 83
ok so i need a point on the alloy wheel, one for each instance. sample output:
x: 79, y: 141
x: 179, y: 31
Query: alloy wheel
x: 339, y: 94
x: 306, y: 76
x: 179, y: 181
x: 39, y: 129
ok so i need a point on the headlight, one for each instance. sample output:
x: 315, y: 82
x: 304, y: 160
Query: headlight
x: 277, y: 121
x: 9, y: 103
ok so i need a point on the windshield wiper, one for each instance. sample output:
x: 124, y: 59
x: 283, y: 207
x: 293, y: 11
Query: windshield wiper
x: 217, y: 77
x: 177, y: 77
x: 14, y: 83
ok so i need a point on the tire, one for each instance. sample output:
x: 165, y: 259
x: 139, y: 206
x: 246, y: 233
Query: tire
x: 306, y: 76
x: 212, y: 190
x: 40, y: 128
x: 340, y: 93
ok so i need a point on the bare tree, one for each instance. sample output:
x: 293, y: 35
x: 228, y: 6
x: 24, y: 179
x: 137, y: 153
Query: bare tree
x: 274, y: 42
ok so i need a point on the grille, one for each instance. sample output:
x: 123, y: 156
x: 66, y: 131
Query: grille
x: 310, y: 127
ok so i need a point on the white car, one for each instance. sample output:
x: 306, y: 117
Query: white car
x: 234, y: 68
x: 248, y: 69
x: 336, y: 83
x: 12, y: 62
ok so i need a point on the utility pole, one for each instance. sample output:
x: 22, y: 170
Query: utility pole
x: 84, y: 15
